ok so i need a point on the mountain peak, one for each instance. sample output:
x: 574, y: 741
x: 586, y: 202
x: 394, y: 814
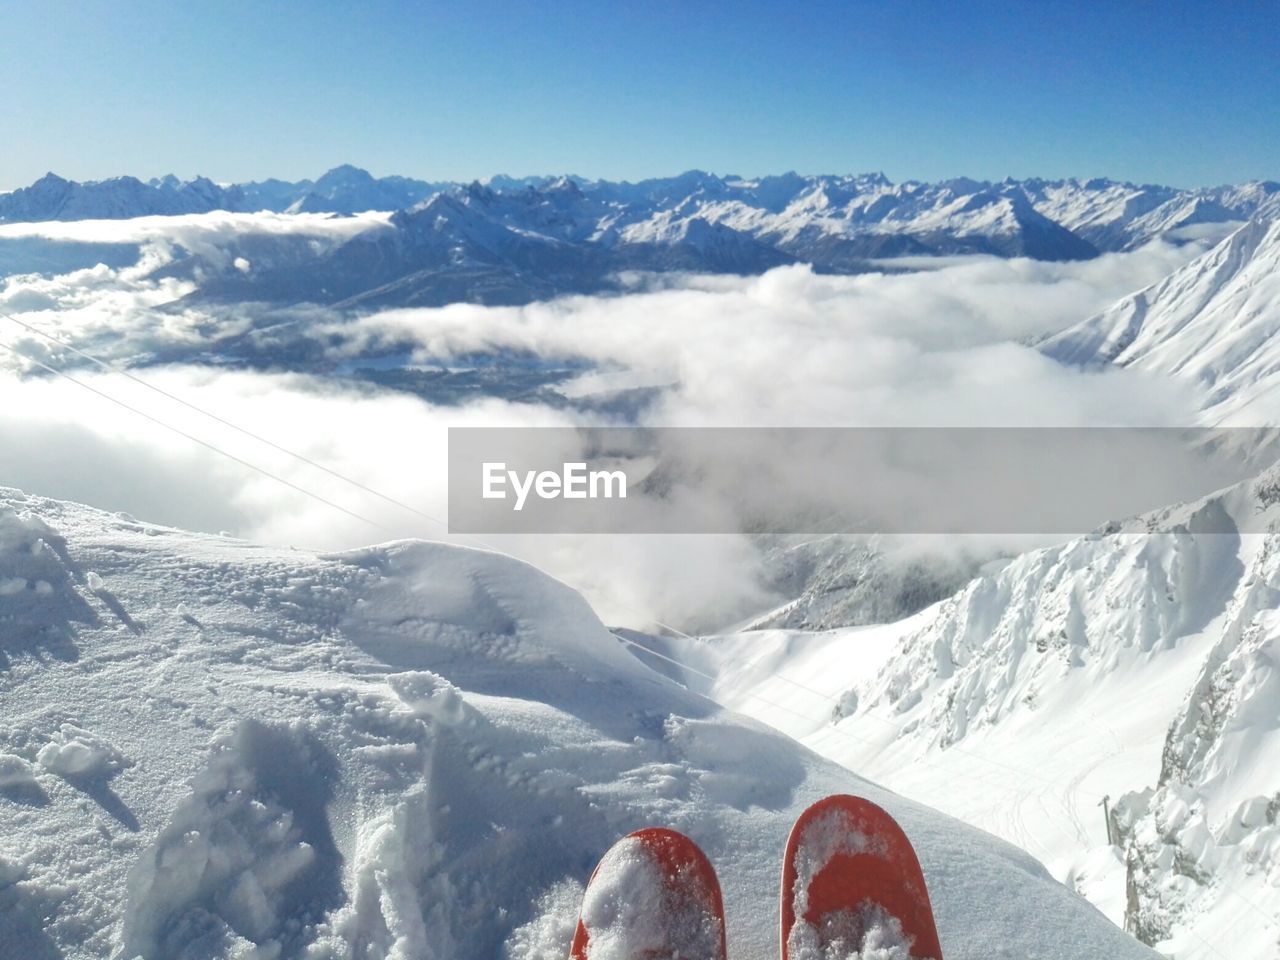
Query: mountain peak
x: 344, y: 173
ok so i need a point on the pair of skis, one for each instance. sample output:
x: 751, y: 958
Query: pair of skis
x: 851, y: 888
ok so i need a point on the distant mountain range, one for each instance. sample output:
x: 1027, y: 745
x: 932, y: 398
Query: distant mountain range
x: 344, y: 189
x: 514, y: 240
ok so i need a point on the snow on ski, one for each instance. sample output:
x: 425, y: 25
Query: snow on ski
x: 852, y: 888
x: 654, y: 896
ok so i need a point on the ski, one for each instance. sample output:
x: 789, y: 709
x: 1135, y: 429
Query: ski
x: 852, y: 887
x: 653, y: 896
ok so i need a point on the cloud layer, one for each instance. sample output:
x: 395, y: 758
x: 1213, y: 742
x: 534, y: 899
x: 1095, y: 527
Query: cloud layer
x: 944, y: 346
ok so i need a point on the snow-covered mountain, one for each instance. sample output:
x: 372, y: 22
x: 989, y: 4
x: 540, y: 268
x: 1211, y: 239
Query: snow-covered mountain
x: 1212, y: 323
x: 211, y: 748
x: 867, y: 213
x: 1115, y: 216
x: 863, y: 215
x: 345, y: 190
x: 1131, y: 668
x: 53, y: 198
x: 348, y: 189
x: 476, y: 243
x: 843, y: 581
x: 517, y: 240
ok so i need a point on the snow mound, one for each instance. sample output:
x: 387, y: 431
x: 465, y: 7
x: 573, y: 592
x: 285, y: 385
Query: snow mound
x: 410, y: 751
x: 15, y: 772
x: 74, y: 752
x: 37, y: 586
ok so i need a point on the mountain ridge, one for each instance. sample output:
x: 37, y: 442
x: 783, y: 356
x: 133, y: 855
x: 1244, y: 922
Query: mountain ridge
x: 513, y: 240
x: 1102, y: 213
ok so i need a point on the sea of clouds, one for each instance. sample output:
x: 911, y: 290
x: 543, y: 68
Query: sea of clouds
x: 945, y: 346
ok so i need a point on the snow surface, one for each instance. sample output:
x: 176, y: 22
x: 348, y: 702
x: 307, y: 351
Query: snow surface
x: 408, y: 751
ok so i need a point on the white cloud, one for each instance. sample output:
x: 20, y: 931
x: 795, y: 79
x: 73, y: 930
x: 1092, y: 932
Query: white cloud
x: 198, y: 230
x: 786, y: 348
x: 795, y: 348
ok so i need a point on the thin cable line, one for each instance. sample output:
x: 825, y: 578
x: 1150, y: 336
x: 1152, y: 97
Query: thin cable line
x: 122, y: 371
x: 194, y: 439
x: 301, y: 458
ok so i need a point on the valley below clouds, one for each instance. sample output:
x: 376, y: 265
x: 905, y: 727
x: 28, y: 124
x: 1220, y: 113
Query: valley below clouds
x: 370, y: 393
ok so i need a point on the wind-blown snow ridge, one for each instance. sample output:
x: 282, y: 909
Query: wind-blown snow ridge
x: 410, y: 751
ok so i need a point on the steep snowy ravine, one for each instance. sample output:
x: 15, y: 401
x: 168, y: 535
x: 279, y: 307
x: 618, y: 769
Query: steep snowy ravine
x: 1102, y: 668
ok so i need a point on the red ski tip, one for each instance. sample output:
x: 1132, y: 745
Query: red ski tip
x: 653, y: 896
x: 851, y: 885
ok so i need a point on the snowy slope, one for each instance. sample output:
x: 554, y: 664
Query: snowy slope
x: 1212, y: 323
x: 1104, y: 667
x: 1114, y: 215
x: 214, y: 749
x: 840, y: 581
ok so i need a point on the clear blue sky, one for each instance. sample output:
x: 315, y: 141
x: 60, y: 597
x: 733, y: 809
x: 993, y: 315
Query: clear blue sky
x: 1175, y: 92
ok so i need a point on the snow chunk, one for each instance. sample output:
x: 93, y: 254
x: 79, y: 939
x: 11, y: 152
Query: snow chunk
x: 15, y: 772
x: 430, y: 695
x: 37, y: 590
x: 22, y: 532
x: 74, y: 752
x: 11, y: 871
